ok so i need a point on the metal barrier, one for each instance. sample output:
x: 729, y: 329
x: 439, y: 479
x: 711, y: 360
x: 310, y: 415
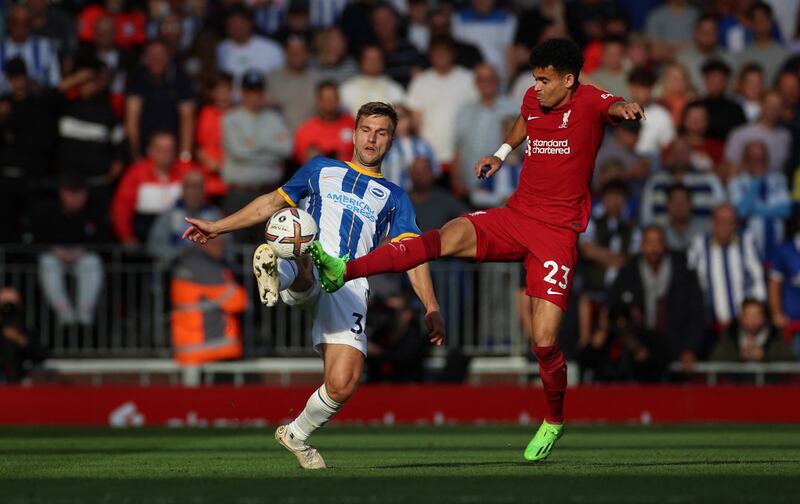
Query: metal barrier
x: 479, y: 304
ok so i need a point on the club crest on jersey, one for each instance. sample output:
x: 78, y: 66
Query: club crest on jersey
x: 378, y: 192
x: 565, y: 119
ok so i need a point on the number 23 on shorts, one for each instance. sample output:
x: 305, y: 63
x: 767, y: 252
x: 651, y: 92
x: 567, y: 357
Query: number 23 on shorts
x: 551, y: 276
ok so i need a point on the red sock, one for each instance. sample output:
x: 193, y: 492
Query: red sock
x: 553, y: 371
x: 398, y: 257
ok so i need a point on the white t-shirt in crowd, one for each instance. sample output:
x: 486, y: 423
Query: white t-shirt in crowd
x: 439, y: 98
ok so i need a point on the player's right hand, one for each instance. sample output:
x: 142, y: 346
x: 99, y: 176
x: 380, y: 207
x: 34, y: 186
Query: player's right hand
x: 200, y: 230
x: 493, y: 162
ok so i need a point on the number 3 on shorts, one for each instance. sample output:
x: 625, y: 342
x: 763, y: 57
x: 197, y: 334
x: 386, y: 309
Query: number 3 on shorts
x: 553, y: 267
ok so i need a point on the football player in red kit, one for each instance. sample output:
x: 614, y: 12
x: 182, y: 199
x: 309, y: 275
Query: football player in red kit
x: 563, y: 122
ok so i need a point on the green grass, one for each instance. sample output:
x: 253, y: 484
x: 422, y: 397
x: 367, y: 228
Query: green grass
x: 464, y: 465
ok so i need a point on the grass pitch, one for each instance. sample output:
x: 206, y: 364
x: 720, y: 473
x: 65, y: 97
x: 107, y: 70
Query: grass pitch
x: 465, y: 465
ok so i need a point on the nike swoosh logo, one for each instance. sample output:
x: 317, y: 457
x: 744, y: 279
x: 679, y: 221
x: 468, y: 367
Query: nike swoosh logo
x: 533, y: 117
x: 552, y: 292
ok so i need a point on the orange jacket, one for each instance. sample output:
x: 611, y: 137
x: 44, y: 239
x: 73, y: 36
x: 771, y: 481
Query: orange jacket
x: 205, y: 303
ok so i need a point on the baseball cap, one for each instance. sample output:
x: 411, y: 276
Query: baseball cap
x: 253, y: 79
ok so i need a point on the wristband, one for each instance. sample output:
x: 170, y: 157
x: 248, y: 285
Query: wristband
x: 503, y: 151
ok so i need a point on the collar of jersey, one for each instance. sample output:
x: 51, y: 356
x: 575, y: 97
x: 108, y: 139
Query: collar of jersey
x: 363, y: 170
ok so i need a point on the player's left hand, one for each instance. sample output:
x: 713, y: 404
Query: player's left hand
x: 435, y: 323
x: 631, y: 111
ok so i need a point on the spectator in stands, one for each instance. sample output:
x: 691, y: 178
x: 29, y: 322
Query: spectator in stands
x: 704, y: 49
x: 130, y: 23
x: 329, y: 131
x: 669, y: 27
x: 679, y: 225
x: 370, y: 84
x: 433, y: 205
x: 165, y: 243
x: 90, y: 137
x: 675, y: 91
x: 466, y: 55
x: 407, y: 146
x: 210, y: 151
x: 751, y: 338
x: 332, y: 61
x: 206, y: 301
x: 50, y: 22
x: 611, y: 75
x: 117, y: 61
x: 148, y: 188
x: 724, y: 114
x: 749, y: 90
x: 38, y: 53
x: 784, y: 282
x: 66, y: 226
x: 293, y: 87
x: 159, y: 97
x: 490, y: 112
x: 706, y: 190
x: 728, y: 267
x: 706, y: 150
x: 653, y: 312
x: 419, y: 30
x: 396, y: 347
x: 763, y: 49
x: 243, y: 51
x: 489, y: 28
x: 658, y: 130
x: 19, y: 346
x: 256, y: 142
x: 761, y: 198
x: 604, y: 248
x: 401, y: 58
x: 28, y: 120
x: 436, y: 95
x: 767, y: 129
x: 621, y: 146
x: 608, y: 241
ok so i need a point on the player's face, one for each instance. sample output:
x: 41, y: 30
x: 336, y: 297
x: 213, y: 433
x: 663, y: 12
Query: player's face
x: 372, y: 139
x: 552, y: 88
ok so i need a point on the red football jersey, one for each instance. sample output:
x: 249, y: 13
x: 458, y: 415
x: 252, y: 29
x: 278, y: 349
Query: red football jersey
x: 560, y: 156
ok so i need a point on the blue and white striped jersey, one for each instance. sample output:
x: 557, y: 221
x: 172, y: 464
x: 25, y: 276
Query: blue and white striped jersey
x: 354, y: 209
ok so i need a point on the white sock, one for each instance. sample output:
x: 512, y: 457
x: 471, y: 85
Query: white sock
x: 319, y: 409
x: 287, y: 270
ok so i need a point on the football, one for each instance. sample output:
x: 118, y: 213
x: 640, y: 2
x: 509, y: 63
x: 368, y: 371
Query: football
x: 290, y: 232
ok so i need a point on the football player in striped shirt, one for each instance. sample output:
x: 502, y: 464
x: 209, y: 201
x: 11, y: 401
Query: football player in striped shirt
x: 355, y: 209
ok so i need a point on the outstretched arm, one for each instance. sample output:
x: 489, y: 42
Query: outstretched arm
x: 621, y: 111
x: 423, y: 285
x: 515, y: 136
x: 255, y: 212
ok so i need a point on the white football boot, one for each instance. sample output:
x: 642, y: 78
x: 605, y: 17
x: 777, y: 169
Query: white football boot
x: 265, y: 268
x: 307, y: 455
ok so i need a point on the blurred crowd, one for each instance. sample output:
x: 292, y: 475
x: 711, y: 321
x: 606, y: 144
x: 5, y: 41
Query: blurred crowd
x: 119, y: 118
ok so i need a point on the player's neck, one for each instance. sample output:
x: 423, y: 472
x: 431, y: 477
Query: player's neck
x: 567, y: 98
x: 371, y: 170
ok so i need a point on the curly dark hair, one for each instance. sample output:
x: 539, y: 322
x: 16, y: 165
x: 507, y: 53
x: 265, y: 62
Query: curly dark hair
x: 562, y: 54
x: 378, y: 109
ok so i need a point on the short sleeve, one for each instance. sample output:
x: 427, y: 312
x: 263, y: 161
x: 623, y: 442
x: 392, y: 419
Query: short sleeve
x: 601, y: 101
x: 403, y: 223
x: 297, y: 187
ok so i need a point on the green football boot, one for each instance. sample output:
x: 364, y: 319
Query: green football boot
x: 331, y: 268
x: 542, y: 443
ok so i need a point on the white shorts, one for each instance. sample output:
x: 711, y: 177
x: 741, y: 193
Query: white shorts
x: 340, y: 317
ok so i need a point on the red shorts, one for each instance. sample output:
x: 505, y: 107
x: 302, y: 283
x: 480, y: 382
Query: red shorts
x: 549, y: 252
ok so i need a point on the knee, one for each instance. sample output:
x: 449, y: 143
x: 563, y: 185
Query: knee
x: 341, y: 388
x: 544, y: 338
